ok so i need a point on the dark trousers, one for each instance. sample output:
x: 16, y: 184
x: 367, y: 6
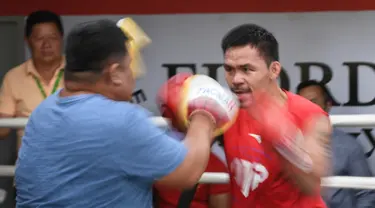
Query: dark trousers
x: 8, y: 156
x: 10, y: 199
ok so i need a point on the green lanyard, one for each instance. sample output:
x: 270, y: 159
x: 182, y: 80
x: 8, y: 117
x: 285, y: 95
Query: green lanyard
x: 55, y: 86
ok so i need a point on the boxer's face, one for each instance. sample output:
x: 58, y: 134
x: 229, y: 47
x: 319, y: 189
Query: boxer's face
x: 45, y: 42
x: 246, y: 71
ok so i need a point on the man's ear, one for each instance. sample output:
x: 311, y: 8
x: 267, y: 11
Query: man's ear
x: 275, y: 69
x: 114, y: 74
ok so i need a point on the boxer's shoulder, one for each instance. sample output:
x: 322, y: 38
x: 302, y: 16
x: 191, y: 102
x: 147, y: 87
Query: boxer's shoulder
x: 300, y: 105
x: 304, y: 110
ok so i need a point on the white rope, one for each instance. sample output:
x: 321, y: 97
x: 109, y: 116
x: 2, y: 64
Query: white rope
x: 332, y: 182
x: 21, y: 122
x: 349, y: 182
x: 219, y: 178
x: 7, y: 170
x: 364, y: 120
x: 13, y: 122
x: 222, y: 178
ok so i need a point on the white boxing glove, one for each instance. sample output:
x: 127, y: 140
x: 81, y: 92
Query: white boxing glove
x: 202, y: 93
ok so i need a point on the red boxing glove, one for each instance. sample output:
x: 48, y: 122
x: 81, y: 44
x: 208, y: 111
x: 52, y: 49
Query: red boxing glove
x: 185, y: 94
x: 168, y: 99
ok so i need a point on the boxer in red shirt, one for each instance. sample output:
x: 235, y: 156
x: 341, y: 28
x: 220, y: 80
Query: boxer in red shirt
x: 278, y: 148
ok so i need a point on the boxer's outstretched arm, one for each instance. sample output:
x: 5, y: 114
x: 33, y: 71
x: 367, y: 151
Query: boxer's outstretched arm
x: 147, y: 152
x: 317, y: 144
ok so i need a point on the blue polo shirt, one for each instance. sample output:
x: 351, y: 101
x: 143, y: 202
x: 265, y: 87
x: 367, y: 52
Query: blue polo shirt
x: 92, y: 152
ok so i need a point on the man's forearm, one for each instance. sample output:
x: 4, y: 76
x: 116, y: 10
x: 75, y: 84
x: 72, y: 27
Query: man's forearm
x: 308, y: 183
x: 315, y: 143
x: 198, y: 145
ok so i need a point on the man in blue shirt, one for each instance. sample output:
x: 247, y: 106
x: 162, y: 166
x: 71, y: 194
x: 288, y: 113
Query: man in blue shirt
x: 85, y: 147
x: 347, y: 155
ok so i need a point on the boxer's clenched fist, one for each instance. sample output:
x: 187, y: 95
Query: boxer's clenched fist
x: 185, y: 94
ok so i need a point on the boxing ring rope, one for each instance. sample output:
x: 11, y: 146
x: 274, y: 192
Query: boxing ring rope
x: 364, y: 120
x: 333, y: 181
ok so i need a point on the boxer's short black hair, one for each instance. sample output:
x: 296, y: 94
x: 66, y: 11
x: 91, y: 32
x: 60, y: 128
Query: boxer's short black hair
x: 314, y: 83
x: 42, y: 16
x: 91, y: 46
x: 256, y: 36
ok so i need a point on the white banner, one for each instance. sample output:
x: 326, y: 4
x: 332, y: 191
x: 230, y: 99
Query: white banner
x: 337, y: 47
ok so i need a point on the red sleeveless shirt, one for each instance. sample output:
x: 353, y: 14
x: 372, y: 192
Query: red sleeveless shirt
x: 255, y: 167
